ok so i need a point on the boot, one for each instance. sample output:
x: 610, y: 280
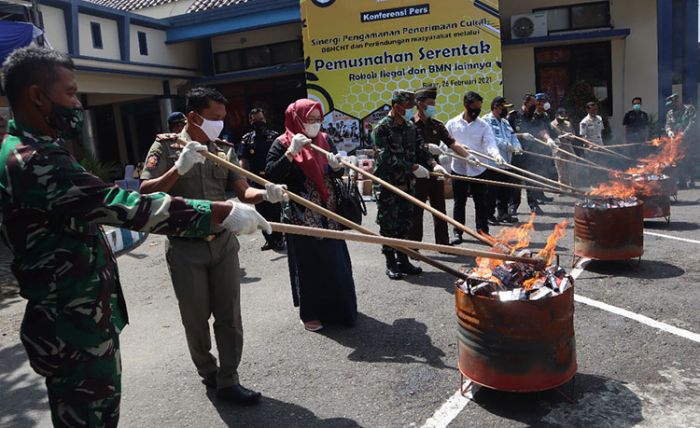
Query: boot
x: 392, y: 265
x: 406, y: 267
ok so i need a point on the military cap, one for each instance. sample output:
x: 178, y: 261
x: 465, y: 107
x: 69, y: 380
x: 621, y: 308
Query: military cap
x: 671, y: 98
x: 500, y: 101
x: 541, y: 96
x: 177, y: 117
x: 427, y: 91
x: 401, y: 96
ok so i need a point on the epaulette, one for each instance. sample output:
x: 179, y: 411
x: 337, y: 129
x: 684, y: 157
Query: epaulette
x: 221, y: 142
x: 167, y: 136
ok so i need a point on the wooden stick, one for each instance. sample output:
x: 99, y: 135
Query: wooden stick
x: 603, y: 148
x: 393, y: 242
x: 442, y: 216
x: 602, y: 168
x: 568, y: 153
x: 547, y: 181
x: 628, y: 145
x: 502, y: 184
x: 325, y: 212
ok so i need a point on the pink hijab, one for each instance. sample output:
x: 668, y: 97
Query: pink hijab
x: 312, y: 163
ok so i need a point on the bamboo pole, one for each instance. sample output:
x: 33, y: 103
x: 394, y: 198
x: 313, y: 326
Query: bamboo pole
x: 502, y: 184
x: 325, y: 212
x: 568, y: 153
x: 442, y: 216
x: 603, y: 148
x: 627, y: 145
x: 602, y: 168
x: 393, y: 242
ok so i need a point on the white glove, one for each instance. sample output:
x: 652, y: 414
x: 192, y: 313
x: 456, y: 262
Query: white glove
x: 244, y: 220
x: 517, y: 150
x: 473, y: 161
x: 189, y: 157
x: 670, y: 134
x: 551, y: 143
x: 445, y: 161
x: 334, y: 161
x: 499, y: 160
x: 275, y: 193
x: 421, y: 172
x: 298, y: 143
x: 439, y: 169
x: 434, y: 149
x: 529, y: 137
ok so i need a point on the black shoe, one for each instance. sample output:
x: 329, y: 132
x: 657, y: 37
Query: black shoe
x: 545, y: 199
x: 406, y: 267
x: 536, y: 209
x: 238, y: 394
x: 266, y: 247
x: 456, y: 240
x: 279, y: 246
x: 508, y: 219
x: 392, y: 266
x: 210, y: 380
x: 493, y: 221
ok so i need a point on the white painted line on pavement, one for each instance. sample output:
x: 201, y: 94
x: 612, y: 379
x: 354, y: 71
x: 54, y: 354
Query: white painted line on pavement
x: 449, y: 410
x: 661, y: 235
x: 581, y: 266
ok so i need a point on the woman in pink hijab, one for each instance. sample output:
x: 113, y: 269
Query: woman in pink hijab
x: 320, y: 270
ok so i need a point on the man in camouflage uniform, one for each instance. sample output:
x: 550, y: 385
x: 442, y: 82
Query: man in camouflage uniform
x: 52, y: 211
x: 400, y: 159
x: 682, y: 119
x: 205, y: 272
x: 252, y: 153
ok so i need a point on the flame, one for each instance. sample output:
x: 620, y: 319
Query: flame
x: 547, y: 253
x: 513, y: 237
x: 670, y: 153
x: 615, y: 189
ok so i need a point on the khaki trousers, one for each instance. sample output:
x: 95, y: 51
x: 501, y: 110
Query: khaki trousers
x: 206, y: 279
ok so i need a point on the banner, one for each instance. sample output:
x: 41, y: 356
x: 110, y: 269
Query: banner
x: 359, y: 51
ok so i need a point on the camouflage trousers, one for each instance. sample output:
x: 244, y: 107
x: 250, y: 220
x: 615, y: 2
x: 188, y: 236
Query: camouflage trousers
x: 394, y: 216
x: 89, y: 396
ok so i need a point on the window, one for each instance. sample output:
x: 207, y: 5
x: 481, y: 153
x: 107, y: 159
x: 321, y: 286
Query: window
x: 143, y: 45
x: 96, y: 33
x: 259, y: 56
x: 578, y: 17
x: 558, y: 68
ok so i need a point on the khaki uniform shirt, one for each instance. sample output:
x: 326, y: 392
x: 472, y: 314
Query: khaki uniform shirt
x: 592, y: 129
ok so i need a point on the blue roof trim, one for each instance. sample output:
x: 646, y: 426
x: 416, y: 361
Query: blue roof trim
x: 569, y: 37
x: 256, y: 73
x: 141, y: 64
x: 130, y: 73
x: 233, y: 24
x: 248, y: 8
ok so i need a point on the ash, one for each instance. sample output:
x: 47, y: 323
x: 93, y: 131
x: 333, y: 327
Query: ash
x: 512, y: 281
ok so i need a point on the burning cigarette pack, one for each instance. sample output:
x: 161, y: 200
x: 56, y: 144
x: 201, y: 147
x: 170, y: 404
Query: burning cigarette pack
x: 607, y: 203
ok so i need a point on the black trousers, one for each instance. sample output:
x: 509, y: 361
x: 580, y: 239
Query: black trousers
x: 502, y: 199
x: 434, y: 190
x: 480, y: 193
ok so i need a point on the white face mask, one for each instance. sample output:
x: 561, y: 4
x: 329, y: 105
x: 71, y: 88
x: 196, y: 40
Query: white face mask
x: 311, y: 130
x: 212, y: 128
x: 547, y: 106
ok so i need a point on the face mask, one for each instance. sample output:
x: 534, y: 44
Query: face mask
x: 547, y: 106
x: 259, y: 125
x: 212, y: 128
x: 408, y: 114
x: 430, y: 111
x: 66, y: 121
x: 637, y: 106
x: 504, y: 113
x: 473, y: 112
x: 311, y: 130
x: 531, y: 109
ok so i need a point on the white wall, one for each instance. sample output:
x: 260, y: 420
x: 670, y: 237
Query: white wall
x: 518, y: 72
x: 178, y: 7
x: 107, y: 83
x: 54, y: 27
x: 175, y: 55
x: 110, y: 37
x: 248, y: 39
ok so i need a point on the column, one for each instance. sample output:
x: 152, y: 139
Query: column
x: 89, y: 133
x: 166, y: 109
x: 664, y: 21
x: 690, y: 54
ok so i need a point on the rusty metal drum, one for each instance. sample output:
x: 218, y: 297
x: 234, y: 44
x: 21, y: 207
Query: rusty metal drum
x: 517, y: 346
x: 609, y: 233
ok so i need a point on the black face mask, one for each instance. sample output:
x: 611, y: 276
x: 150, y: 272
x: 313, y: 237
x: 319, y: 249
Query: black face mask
x: 259, y: 125
x: 473, y: 112
x: 504, y: 113
x: 531, y: 109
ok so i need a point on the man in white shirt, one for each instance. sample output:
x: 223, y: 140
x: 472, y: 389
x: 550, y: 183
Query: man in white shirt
x: 476, y: 136
x: 591, y: 127
x: 502, y: 197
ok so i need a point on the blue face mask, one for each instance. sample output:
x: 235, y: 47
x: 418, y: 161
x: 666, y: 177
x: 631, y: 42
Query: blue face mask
x: 637, y: 106
x: 408, y: 114
x: 430, y: 111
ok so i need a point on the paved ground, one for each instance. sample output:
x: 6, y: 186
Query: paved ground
x: 398, y: 366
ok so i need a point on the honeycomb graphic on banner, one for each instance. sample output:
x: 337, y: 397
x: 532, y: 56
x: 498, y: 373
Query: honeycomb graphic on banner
x: 364, y: 97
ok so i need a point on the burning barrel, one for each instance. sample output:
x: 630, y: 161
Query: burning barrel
x: 655, y: 191
x: 517, y: 345
x: 609, y: 229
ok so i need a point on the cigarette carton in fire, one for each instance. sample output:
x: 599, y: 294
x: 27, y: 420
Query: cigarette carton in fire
x: 512, y: 281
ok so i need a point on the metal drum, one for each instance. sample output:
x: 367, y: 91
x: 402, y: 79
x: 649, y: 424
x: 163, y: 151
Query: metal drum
x: 614, y: 233
x: 656, y: 195
x: 518, y: 346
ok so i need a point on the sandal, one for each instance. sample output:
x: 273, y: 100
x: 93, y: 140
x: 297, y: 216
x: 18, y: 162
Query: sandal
x: 314, y: 325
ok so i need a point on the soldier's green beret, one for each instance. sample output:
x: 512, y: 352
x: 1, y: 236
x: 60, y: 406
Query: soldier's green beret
x: 402, y: 97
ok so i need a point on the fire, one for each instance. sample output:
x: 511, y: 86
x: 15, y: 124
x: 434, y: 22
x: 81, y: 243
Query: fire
x: 615, y: 189
x: 547, y: 253
x: 670, y: 153
x: 513, y: 237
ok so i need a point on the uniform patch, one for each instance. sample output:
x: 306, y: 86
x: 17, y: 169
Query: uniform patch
x: 152, y: 161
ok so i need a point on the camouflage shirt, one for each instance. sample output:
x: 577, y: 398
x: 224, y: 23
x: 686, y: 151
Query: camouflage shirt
x: 52, y: 209
x: 680, y: 120
x: 399, y: 147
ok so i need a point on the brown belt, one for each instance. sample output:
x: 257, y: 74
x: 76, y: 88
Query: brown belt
x: 208, y: 238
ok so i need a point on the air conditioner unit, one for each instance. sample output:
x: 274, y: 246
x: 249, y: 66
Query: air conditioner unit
x: 528, y: 25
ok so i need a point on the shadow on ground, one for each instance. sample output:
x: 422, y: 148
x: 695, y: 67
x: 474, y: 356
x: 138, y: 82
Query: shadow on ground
x: 274, y: 413
x: 20, y: 392
x: 404, y: 341
x: 646, y: 269
x: 599, y: 401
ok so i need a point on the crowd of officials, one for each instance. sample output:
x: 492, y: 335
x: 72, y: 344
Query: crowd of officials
x: 52, y: 211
